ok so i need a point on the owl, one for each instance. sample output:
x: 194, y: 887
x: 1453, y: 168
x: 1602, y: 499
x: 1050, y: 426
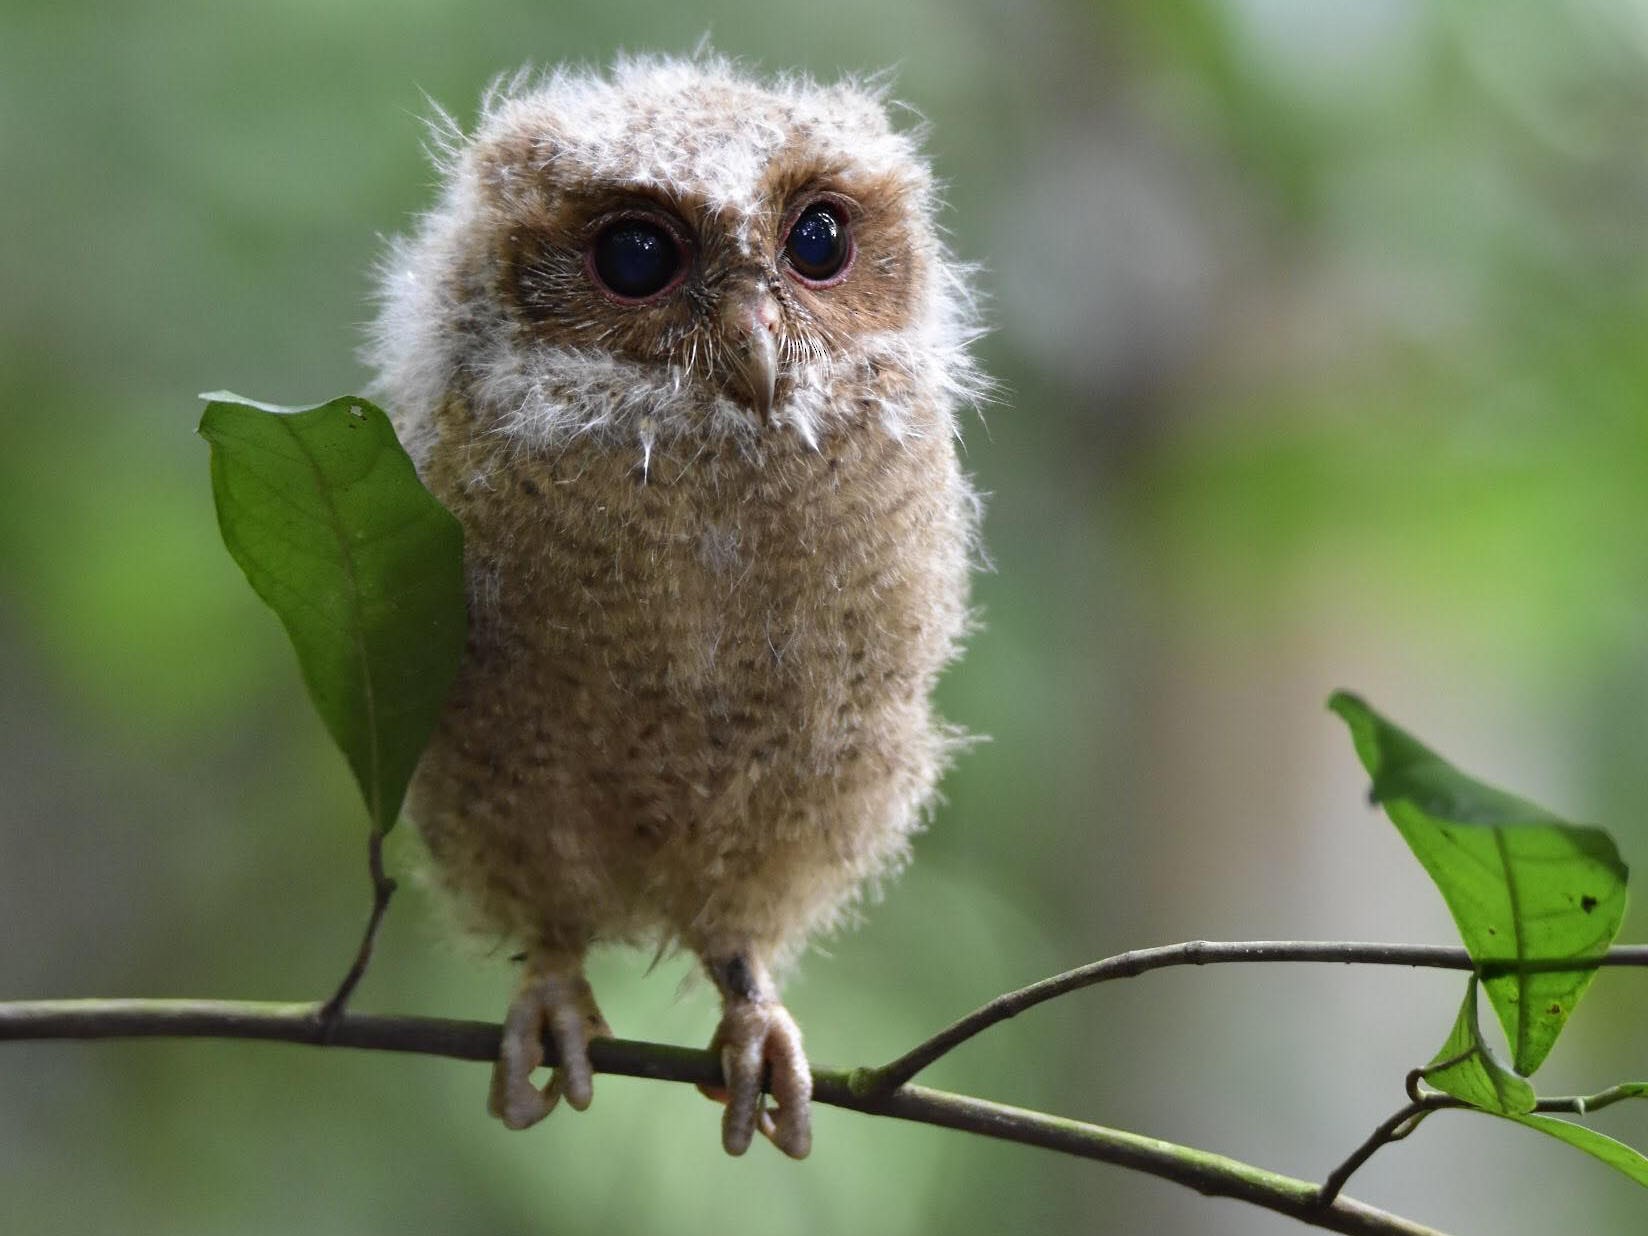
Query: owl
x: 683, y: 350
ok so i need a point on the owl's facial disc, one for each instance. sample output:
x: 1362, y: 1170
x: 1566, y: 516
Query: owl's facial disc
x: 750, y: 318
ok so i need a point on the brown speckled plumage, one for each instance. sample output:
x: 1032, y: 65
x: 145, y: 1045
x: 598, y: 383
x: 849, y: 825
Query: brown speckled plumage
x: 695, y: 705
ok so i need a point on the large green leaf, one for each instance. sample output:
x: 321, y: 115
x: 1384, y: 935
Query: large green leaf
x: 324, y: 512
x: 1524, y: 886
x: 1466, y: 1069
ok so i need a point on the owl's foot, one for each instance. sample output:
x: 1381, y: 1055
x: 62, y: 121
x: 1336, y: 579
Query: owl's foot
x: 760, y: 1048
x: 556, y: 998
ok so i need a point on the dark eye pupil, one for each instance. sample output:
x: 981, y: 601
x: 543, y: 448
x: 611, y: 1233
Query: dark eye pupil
x: 635, y: 258
x: 818, y: 242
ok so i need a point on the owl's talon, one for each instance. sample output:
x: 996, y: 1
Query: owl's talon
x: 563, y: 1005
x: 760, y: 1048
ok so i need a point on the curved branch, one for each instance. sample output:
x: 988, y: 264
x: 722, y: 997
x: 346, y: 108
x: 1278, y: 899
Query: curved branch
x: 1211, y: 1174
x: 896, y: 1073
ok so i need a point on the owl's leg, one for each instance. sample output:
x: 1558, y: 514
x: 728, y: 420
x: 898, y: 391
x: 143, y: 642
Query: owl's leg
x: 760, y: 1047
x: 553, y: 996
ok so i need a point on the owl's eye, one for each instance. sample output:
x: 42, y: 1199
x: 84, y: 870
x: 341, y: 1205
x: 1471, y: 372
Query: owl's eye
x: 636, y: 259
x: 819, y: 245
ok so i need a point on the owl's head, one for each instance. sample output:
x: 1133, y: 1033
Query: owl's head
x: 676, y: 248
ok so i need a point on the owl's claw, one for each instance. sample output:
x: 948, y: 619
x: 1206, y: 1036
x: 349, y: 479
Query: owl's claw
x: 756, y: 1036
x: 564, y: 1005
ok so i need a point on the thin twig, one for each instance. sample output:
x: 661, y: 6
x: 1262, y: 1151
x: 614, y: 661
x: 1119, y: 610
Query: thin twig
x: 1393, y: 1129
x: 1412, y: 1083
x: 1585, y: 1104
x: 896, y: 1073
x: 1207, y: 1173
x: 383, y: 888
x: 1423, y: 1103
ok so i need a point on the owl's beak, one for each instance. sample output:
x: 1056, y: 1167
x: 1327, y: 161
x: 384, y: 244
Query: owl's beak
x: 751, y: 320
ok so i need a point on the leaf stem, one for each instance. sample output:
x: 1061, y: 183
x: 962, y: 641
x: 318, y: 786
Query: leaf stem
x: 383, y: 888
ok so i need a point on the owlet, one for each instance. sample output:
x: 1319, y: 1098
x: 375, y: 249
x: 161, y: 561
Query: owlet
x: 683, y: 350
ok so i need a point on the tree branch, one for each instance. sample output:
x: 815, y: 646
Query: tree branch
x: 880, y: 1091
x: 1207, y: 1173
x: 896, y: 1073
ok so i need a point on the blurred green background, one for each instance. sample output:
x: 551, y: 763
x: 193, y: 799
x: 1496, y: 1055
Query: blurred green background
x: 1325, y: 327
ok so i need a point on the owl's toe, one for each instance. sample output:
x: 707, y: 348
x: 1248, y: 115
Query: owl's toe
x: 760, y: 1047
x: 562, y: 1004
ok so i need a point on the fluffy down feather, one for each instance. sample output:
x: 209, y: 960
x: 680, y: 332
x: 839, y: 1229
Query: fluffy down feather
x: 695, y: 706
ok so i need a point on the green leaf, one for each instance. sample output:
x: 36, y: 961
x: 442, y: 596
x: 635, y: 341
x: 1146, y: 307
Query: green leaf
x: 1467, y: 1069
x: 1523, y: 885
x: 1615, y: 1154
x: 324, y: 512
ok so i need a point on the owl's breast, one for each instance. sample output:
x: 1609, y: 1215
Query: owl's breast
x: 719, y: 573
x: 731, y: 635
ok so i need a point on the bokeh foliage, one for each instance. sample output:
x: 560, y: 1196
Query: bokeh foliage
x: 1323, y: 328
